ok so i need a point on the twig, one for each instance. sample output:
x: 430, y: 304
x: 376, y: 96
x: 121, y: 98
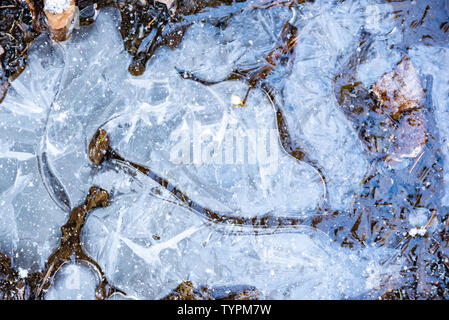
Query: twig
x: 18, y: 24
x: 45, y: 280
x: 26, y: 48
x: 431, y: 219
x: 12, y: 37
x: 416, y: 161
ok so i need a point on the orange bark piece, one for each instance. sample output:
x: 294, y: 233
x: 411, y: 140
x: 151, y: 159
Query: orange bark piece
x: 60, y: 23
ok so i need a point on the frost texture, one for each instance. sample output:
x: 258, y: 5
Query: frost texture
x: 29, y: 220
x: 434, y: 62
x: 158, y: 118
x: 313, y: 114
x: 147, y: 242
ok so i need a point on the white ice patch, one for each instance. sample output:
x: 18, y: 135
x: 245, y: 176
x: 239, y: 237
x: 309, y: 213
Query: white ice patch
x: 57, y: 6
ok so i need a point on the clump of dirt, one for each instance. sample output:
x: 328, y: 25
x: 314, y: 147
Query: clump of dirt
x: 187, y: 291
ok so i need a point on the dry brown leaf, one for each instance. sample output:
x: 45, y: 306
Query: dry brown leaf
x: 400, y: 94
x: 399, y: 90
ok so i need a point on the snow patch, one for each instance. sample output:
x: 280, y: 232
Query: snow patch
x: 57, y: 6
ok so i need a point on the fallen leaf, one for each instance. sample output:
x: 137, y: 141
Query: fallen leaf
x: 399, y: 90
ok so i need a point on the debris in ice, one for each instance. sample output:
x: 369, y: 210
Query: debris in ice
x: 410, y: 138
x: 399, y: 93
x: 399, y: 90
x: 398, y: 131
x: 236, y: 101
x: 70, y: 249
x: 187, y: 291
x: 434, y: 62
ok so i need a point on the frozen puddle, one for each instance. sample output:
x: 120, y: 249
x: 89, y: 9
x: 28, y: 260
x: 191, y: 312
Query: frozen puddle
x: 226, y: 158
x: 148, y: 244
x: 223, y: 157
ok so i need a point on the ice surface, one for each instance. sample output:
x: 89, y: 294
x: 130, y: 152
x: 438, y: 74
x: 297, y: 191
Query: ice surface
x: 73, y: 282
x: 245, y: 182
x: 154, y: 115
x: 434, y: 62
x: 89, y: 88
x: 29, y: 220
x: 327, y: 36
x: 184, y: 131
x: 147, y: 242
